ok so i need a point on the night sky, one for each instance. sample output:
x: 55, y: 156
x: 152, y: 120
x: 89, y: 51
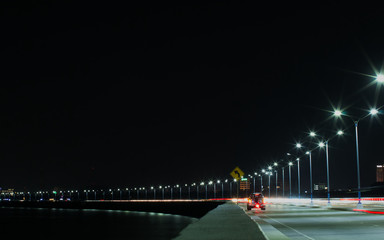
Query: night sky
x: 108, y: 95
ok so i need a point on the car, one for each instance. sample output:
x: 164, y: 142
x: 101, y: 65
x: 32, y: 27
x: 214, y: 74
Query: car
x: 256, y: 200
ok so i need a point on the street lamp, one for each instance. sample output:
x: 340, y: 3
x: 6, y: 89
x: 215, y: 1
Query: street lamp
x: 276, y: 183
x: 162, y: 192
x: 380, y: 78
x: 322, y: 144
x: 310, y: 174
x: 206, y: 189
x: 269, y: 182
x: 154, y: 192
x: 298, y: 175
x: 275, y: 164
x: 372, y: 112
x: 189, y: 191
x: 298, y: 145
x: 283, y: 182
x: 290, y: 182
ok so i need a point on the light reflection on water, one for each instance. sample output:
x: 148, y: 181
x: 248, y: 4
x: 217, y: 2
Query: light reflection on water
x: 89, y: 224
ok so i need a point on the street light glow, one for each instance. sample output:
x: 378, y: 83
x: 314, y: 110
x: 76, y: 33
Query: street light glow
x: 275, y: 164
x: 312, y: 134
x: 340, y: 132
x: 380, y: 78
x: 298, y: 145
x: 290, y: 163
x: 373, y: 111
x: 321, y: 144
x: 337, y: 113
x: 269, y: 168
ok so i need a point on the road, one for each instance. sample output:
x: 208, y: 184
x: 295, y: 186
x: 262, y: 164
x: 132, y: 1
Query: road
x: 284, y: 221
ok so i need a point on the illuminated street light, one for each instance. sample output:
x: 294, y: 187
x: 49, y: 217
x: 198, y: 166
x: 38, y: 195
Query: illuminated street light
x: 380, y: 78
x: 312, y: 134
x: 276, y: 173
x: 298, y: 145
x: 298, y: 175
x: 326, y: 155
x: 372, y: 112
x: 340, y: 132
x: 310, y: 173
x: 337, y: 113
x: 269, y: 184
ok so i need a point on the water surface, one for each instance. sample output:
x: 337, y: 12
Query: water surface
x: 42, y: 223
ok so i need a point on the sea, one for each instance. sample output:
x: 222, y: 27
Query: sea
x: 45, y: 223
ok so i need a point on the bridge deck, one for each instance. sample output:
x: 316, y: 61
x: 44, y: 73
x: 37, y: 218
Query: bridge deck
x: 227, y: 221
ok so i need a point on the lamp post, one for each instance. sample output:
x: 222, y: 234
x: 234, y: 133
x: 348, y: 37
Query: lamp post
x: 290, y: 182
x: 197, y: 191
x: 310, y: 174
x: 372, y: 112
x: 202, y: 183
x: 298, y: 145
x: 206, y: 189
x: 269, y: 184
x: 261, y: 180
x: 154, y: 193
x: 298, y: 175
x: 322, y: 144
x: 275, y: 164
x: 222, y: 188
x: 214, y: 190
x: 162, y: 192
x: 179, y: 186
x: 283, y: 182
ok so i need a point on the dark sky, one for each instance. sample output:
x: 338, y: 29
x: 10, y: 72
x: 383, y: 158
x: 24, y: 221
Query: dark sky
x: 109, y: 95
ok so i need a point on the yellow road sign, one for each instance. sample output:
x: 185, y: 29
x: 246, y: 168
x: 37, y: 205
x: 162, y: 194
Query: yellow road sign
x: 237, y: 173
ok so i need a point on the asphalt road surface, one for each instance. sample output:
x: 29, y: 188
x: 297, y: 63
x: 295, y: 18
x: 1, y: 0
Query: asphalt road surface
x: 283, y: 221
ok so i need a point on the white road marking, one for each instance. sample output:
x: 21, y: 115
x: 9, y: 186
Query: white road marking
x: 302, y: 234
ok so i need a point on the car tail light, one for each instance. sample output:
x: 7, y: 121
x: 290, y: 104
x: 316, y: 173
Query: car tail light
x: 257, y: 205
